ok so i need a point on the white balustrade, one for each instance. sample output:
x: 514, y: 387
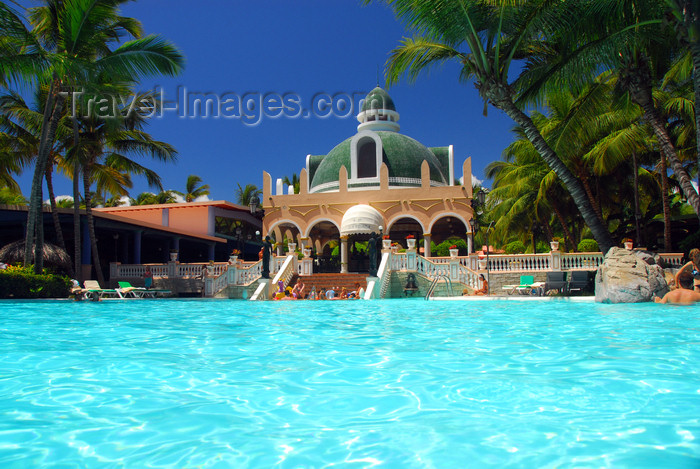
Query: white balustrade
x: 581, y: 260
x: 674, y: 259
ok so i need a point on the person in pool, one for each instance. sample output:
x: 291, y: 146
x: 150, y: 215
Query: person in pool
x: 683, y: 295
x: 692, y: 267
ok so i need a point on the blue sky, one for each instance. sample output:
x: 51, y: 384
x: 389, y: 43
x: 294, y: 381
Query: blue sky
x: 305, y: 47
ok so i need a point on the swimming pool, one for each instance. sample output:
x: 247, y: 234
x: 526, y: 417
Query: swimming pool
x: 394, y: 383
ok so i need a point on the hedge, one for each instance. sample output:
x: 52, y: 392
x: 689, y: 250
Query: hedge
x: 19, y: 283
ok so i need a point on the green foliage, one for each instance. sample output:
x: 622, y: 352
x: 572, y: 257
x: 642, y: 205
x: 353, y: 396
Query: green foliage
x: 21, y: 283
x: 10, y: 197
x: 689, y: 242
x: 515, y: 247
x: 443, y: 249
x: 588, y: 245
x: 544, y: 247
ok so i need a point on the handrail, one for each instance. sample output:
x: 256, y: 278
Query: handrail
x: 383, y: 274
x: 285, y: 274
x: 434, y: 283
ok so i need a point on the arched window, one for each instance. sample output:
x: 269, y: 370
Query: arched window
x: 367, y: 158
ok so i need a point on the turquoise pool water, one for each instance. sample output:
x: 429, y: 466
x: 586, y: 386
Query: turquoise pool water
x: 396, y: 383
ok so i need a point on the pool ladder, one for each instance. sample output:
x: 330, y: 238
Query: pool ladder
x: 434, y: 283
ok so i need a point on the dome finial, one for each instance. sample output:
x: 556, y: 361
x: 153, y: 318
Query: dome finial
x: 378, y: 112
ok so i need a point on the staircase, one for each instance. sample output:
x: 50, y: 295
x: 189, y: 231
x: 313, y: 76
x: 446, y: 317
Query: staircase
x: 333, y: 280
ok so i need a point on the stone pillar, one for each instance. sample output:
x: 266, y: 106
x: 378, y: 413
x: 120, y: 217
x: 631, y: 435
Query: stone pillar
x: 411, y: 259
x: 343, y: 254
x: 470, y: 242
x: 307, y: 266
x: 555, y: 260
x: 473, y: 261
x: 454, y: 269
x: 426, y: 244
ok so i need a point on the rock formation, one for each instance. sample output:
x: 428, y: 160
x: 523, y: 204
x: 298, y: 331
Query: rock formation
x: 626, y: 277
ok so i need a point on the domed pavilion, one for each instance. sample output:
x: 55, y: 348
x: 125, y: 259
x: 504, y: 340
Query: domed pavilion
x: 377, y: 180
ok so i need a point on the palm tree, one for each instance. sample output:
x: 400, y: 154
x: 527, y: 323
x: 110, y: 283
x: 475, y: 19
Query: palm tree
x: 193, y: 189
x: 245, y: 194
x: 10, y: 196
x: 686, y: 15
x: 69, y: 45
x: 294, y: 181
x: 104, y: 144
x: 149, y: 198
x: 494, y: 37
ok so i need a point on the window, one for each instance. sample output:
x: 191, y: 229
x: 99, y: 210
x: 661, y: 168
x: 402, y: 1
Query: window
x: 367, y: 159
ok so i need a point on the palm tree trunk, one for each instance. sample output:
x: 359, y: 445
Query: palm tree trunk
x: 695, y: 50
x: 37, y: 180
x: 666, y: 204
x: 572, y: 184
x: 639, y: 87
x: 77, y: 246
x: 91, y: 226
x: 35, y: 222
x: 637, y: 214
x: 54, y: 212
x: 54, y: 208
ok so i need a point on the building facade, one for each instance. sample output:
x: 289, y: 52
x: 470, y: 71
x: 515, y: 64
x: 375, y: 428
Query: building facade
x: 377, y: 180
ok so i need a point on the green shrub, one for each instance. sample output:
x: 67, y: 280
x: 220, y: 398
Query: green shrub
x: 544, y: 247
x: 443, y: 249
x: 17, y: 282
x: 515, y: 247
x: 689, y: 242
x: 588, y: 245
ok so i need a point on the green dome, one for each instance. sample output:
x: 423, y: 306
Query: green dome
x: 378, y: 99
x: 402, y: 155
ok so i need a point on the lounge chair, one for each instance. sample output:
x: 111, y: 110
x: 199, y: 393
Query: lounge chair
x: 93, y: 288
x: 139, y: 292
x: 579, y: 281
x: 527, y: 286
x: 555, y: 281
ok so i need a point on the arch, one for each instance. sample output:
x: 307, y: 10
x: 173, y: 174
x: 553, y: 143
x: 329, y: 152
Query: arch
x: 443, y: 215
x: 399, y: 217
x: 282, y: 222
x: 310, y: 225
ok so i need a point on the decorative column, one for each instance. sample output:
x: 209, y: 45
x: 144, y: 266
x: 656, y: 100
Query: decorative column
x: 555, y: 260
x: 344, y: 254
x: 426, y: 244
x: 411, y: 259
x: 470, y: 242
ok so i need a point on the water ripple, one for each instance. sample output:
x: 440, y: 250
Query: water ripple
x: 185, y: 383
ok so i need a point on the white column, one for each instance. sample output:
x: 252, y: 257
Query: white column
x: 343, y: 254
x: 470, y: 244
x: 426, y: 244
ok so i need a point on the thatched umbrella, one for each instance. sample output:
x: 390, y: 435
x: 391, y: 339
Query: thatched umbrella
x: 54, y: 256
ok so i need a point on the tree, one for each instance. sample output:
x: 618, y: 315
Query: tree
x: 194, y: 188
x: 68, y: 46
x: 245, y: 194
x: 495, y: 36
x: 294, y: 182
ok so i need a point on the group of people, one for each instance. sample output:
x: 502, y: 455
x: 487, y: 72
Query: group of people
x: 298, y: 293
x: 687, y: 281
